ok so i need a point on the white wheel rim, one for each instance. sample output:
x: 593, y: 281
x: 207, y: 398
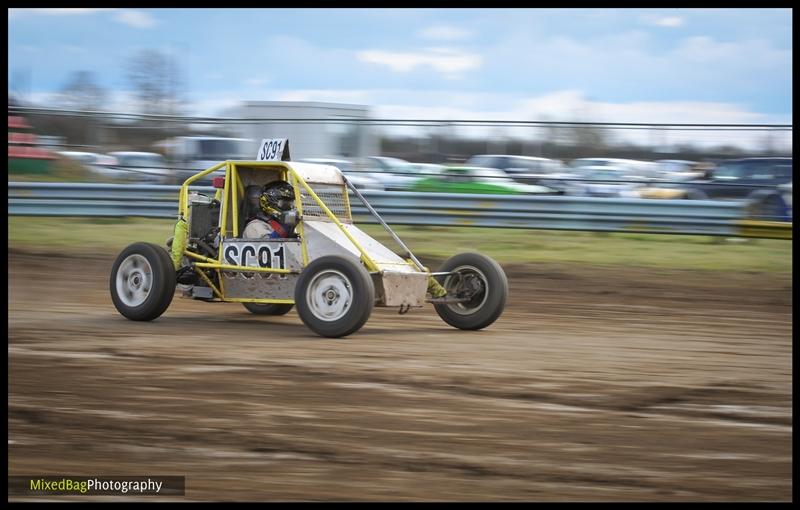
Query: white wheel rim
x: 466, y: 308
x: 134, y: 280
x: 329, y: 295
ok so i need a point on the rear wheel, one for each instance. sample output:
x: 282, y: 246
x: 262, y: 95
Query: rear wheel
x: 268, y: 308
x: 482, y: 281
x: 142, y: 281
x: 334, y: 296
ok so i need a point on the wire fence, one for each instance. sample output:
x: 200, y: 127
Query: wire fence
x: 422, y: 140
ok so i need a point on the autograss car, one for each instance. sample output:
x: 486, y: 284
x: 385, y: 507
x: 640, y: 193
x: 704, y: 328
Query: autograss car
x: 332, y: 271
x: 467, y: 179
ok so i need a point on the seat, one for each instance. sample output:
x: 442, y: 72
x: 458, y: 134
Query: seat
x: 249, y: 206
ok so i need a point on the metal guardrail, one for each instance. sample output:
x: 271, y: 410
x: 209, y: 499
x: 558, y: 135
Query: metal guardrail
x: 705, y: 217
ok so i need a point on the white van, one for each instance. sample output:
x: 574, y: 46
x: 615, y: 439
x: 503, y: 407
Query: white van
x: 188, y: 155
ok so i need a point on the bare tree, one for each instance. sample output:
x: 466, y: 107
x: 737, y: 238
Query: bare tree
x: 155, y: 79
x: 82, y: 92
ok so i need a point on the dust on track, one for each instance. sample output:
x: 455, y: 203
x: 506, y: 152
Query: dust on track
x: 596, y: 384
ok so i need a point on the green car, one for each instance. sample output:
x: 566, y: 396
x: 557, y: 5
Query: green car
x: 470, y: 179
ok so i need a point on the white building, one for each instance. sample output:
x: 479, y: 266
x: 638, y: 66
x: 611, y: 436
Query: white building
x: 311, y: 127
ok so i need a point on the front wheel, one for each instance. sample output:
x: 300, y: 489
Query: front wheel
x: 268, y: 308
x: 482, y: 282
x: 334, y: 296
x: 142, y: 281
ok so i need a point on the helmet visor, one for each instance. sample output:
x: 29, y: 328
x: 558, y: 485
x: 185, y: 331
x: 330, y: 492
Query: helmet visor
x: 284, y: 204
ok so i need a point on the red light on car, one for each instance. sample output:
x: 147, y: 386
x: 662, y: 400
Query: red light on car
x: 218, y: 182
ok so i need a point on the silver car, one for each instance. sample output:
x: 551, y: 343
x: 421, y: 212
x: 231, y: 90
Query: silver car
x: 362, y: 181
x: 99, y: 164
x: 392, y: 173
x: 143, y: 167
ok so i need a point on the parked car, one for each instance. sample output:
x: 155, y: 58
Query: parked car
x: 362, y: 181
x: 786, y: 195
x: 550, y: 173
x: 684, y: 170
x: 99, y: 164
x: 392, y: 173
x: 756, y: 180
x: 426, y: 169
x: 466, y: 179
x: 643, y: 169
x: 675, y: 165
x: 513, y: 165
x: 144, y: 167
x: 190, y: 154
x: 605, y: 181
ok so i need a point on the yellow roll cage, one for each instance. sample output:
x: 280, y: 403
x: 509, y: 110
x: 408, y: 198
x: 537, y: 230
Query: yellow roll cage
x: 232, y: 191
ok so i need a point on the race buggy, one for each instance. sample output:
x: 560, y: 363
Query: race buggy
x: 332, y: 271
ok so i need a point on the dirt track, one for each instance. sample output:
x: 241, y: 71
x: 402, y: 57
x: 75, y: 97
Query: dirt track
x: 595, y: 384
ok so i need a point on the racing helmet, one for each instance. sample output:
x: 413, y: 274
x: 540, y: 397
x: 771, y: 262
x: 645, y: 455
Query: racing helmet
x: 277, y: 198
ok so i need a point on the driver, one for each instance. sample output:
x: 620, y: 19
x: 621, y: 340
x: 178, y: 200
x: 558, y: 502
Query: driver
x: 277, y: 215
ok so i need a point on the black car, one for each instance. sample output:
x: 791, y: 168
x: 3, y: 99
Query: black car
x: 740, y: 178
x: 756, y: 180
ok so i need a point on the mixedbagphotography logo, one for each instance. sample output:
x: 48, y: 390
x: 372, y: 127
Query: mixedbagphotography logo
x: 38, y: 485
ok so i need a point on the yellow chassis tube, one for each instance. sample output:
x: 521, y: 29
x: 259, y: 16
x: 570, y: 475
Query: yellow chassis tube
x: 232, y: 189
x: 365, y: 258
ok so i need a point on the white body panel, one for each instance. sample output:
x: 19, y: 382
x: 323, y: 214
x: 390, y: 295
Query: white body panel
x: 399, y: 283
x: 321, y: 174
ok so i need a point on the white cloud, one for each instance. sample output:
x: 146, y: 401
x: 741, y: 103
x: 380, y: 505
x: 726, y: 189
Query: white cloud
x: 215, y: 106
x: 130, y: 17
x: 449, y: 62
x: 329, y: 96
x: 444, y: 32
x: 669, y: 21
x: 256, y: 82
x: 135, y: 19
x: 44, y: 99
x: 53, y: 11
x: 562, y: 105
x: 574, y: 106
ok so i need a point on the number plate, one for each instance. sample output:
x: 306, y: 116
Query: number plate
x: 273, y: 149
x: 276, y: 253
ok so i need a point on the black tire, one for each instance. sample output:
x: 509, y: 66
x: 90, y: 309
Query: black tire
x: 268, y: 308
x: 487, y: 305
x: 130, y: 272
x: 341, y: 284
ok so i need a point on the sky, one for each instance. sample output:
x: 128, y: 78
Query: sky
x: 611, y: 65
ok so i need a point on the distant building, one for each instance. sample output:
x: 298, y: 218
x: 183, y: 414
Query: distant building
x: 307, y: 139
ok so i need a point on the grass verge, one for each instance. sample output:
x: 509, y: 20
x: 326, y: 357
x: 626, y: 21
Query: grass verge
x: 508, y: 246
